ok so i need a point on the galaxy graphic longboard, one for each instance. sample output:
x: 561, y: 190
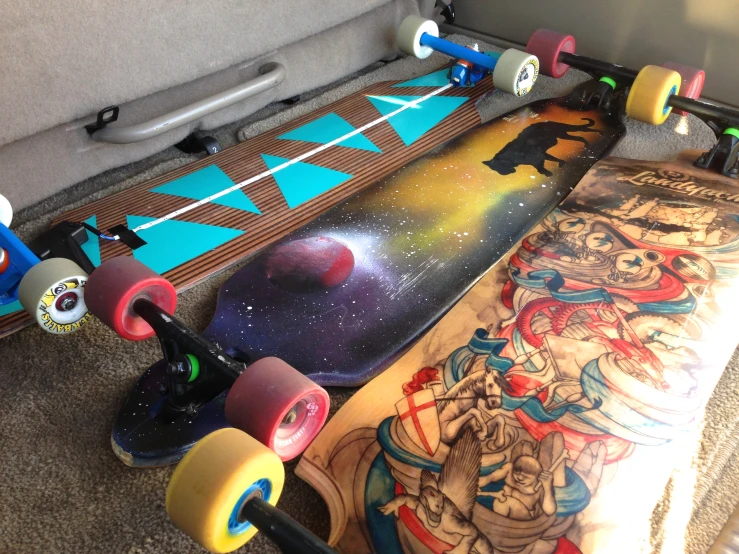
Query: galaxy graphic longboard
x: 193, y: 246
x: 345, y: 295
x: 547, y: 410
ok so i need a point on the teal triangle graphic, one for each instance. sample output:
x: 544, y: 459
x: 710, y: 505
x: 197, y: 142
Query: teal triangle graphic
x: 412, y: 123
x: 11, y: 308
x: 172, y: 243
x: 435, y: 79
x: 327, y: 128
x: 206, y: 182
x: 301, y: 181
x: 92, y: 246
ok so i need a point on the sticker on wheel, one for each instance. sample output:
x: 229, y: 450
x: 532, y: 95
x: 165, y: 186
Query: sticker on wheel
x: 62, y: 308
x: 527, y: 77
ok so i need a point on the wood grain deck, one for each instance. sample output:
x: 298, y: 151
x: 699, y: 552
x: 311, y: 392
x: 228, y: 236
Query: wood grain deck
x: 244, y: 160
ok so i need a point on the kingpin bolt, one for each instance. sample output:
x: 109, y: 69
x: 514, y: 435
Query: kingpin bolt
x: 175, y: 368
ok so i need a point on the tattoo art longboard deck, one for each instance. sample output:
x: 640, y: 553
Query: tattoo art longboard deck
x: 544, y: 413
x: 193, y: 246
x: 344, y: 296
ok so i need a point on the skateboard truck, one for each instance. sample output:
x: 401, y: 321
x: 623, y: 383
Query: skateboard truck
x: 724, y: 122
x: 556, y: 53
x: 198, y: 370
x: 608, y: 77
x: 274, y: 411
x: 137, y: 303
x: 284, y: 531
x: 470, y: 65
x: 513, y: 71
x: 723, y: 156
x: 599, y: 93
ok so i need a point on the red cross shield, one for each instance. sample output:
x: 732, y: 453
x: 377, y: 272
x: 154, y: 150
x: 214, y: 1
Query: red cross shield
x: 420, y: 419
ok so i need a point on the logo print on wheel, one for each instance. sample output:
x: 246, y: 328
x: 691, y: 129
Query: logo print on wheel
x: 63, y: 306
x: 527, y: 77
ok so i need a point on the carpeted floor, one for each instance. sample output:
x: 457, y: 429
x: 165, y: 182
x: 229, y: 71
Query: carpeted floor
x: 63, y: 490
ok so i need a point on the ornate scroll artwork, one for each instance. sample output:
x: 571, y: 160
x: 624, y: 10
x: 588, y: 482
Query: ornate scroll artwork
x: 546, y: 411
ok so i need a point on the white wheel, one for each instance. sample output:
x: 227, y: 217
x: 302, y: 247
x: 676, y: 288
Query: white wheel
x: 516, y: 72
x: 6, y: 211
x: 409, y: 36
x: 53, y: 293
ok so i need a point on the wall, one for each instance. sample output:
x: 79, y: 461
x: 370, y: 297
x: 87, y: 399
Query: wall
x: 701, y: 33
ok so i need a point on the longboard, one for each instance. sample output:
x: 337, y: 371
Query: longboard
x: 344, y: 296
x: 195, y: 245
x: 544, y: 413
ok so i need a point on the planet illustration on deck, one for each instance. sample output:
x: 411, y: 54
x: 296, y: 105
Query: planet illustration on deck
x: 309, y: 264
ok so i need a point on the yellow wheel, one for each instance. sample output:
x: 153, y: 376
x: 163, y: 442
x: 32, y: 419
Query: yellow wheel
x: 648, y: 96
x: 212, y: 483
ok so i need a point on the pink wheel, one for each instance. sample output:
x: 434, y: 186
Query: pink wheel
x: 547, y: 46
x: 277, y: 405
x: 693, y: 80
x: 114, y: 286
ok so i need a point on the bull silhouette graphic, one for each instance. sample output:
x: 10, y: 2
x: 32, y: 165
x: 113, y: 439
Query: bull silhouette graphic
x: 531, y: 145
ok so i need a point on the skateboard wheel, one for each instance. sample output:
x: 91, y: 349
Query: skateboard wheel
x: 53, y: 291
x: 693, y: 81
x: 547, y: 45
x: 277, y: 405
x: 650, y: 92
x: 4, y: 260
x: 212, y: 483
x: 116, y: 284
x: 6, y: 211
x: 516, y: 72
x: 409, y: 36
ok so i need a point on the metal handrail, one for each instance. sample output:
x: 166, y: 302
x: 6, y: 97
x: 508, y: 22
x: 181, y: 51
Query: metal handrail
x: 271, y: 75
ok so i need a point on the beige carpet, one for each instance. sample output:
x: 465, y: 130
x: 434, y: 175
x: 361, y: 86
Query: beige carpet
x: 63, y: 490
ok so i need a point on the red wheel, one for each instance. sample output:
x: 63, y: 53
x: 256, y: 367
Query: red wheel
x: 693, y: 80
x: 112, y: 289
x: 547, y: 46
x: 277, y: 405
x: 4, y: 260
